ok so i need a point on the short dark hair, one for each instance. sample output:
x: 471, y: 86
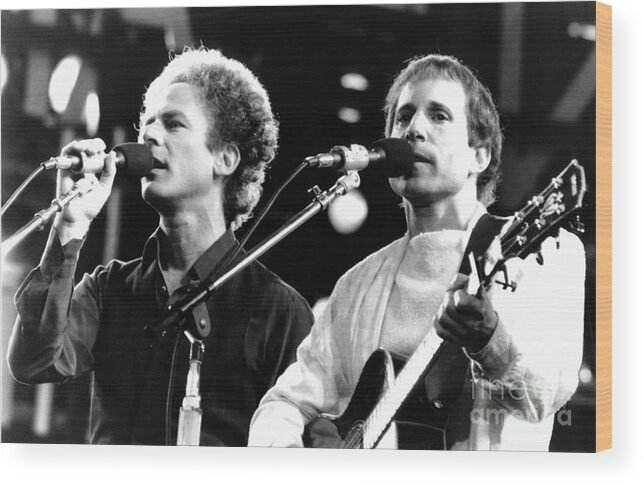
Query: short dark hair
x: 483, y: 122
x: 239, y: 111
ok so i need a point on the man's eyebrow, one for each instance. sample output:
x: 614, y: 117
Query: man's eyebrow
x: 437, y: 106
x: 164, y: 116
x: 432, y: 106
x: 407, y: 105
x: 171, y: 114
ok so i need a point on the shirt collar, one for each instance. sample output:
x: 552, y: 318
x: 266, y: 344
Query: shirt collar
x: 204, y: 265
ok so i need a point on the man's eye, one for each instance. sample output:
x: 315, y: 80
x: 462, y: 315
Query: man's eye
x: 402, y: 118
x: 440, y: 117
x: 172, y: 123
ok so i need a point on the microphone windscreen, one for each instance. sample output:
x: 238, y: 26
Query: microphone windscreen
x: 399, y: 156
x: 137, y: 159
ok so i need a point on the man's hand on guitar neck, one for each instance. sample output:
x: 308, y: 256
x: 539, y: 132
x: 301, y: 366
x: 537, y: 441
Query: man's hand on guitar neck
x: 465, y: 319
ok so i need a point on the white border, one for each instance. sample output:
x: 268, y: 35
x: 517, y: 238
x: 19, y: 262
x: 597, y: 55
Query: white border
x: 93, y: 465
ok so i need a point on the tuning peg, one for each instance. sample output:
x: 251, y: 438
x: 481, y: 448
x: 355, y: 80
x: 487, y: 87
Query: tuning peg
x: 557, y: 238
x: 539, y: 257
x: 577, y: 226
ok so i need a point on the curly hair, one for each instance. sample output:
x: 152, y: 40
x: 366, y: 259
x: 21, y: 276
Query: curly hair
x: 483, y: 123
x: 239, y: 111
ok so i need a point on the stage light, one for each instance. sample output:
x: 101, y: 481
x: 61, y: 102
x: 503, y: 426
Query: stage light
x: 44, y: 17
x: 4, y: 74
x: 348, y: 213
x: 38, y: 68
x: 349, y: 115
x: 63, y: 80
x: 355, y: 81
x: 91, y: 113
x: 583, y: 31
x: 585, y: 374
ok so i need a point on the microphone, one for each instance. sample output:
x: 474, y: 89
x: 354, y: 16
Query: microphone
x: 133, y: 159
x: 392, y: 156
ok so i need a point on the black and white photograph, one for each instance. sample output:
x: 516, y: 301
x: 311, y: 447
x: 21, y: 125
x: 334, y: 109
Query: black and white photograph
x: 339, y: 226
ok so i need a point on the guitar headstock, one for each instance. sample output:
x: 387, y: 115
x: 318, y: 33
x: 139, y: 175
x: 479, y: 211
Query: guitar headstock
x: 541, y: 218
x: 545, y: 213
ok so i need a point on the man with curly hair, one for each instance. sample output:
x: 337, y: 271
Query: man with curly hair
x: 511, y: 359
x: 208, y: 123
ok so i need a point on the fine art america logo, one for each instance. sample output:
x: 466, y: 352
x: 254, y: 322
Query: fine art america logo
x: 511, y: 399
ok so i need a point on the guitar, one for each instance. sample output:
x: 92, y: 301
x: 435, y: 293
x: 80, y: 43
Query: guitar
x: 367, y: 419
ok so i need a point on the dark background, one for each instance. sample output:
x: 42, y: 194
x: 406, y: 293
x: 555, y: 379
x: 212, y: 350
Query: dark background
x: 529, y: 55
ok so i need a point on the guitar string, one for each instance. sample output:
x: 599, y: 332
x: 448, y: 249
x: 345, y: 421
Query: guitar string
x: 401, y: 386
x: 355, y: 440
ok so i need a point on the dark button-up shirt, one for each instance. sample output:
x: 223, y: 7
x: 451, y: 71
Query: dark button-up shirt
x: 62, y: 332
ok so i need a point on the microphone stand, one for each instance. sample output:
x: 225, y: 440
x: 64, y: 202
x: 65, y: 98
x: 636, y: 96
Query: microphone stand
x: 41, y: 218
x: 189, y: 304
x: 191, y: 313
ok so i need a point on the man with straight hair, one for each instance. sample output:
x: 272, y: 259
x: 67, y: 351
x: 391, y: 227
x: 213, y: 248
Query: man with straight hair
x: 521, y: 350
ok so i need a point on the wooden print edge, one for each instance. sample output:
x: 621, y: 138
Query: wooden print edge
x: 603, y: 226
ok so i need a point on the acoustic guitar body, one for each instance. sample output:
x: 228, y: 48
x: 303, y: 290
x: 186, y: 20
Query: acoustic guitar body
x: 420, y: 423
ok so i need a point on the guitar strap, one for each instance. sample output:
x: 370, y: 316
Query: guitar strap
x: 448, y: 377
x: 487, y: 227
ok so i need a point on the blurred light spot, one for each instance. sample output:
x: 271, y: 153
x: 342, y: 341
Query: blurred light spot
x: 583, y: 31
x: 13, y: 271
x: 349, y: 115
x: 44, y: 16
x: 319, y: 306
x: 37, y: 75
x: 170, y: 39
x: 579, y: 93
x: 3, y: 72
x: 585, y: 374
x: 96, y: 22
x: 348, y: 213
x: 91, y: 113
x: 354, y: 80
x: 63, y: 80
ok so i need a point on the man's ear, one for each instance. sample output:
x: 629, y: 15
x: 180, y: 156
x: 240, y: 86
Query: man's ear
x: 481, y: 160
x: 228, y: 160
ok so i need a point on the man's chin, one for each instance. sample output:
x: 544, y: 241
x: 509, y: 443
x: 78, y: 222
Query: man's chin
x: 151, y: 192
x: 419, y: 193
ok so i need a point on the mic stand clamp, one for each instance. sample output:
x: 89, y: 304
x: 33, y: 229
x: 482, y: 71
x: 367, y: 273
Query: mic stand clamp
x: 41, y: 218
x: 199, y: 324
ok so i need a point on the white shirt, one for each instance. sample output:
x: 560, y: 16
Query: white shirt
x: 525, y: 373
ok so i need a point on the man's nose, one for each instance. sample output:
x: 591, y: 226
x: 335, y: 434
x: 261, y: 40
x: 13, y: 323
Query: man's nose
x: 152, y: 134
x: 417, y: 129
